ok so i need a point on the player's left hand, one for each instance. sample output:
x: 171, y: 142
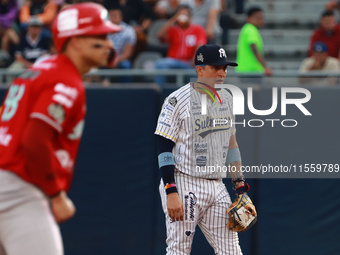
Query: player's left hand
x: 62, y: 207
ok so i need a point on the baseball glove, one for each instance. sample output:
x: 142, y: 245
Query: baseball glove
x: 242, y: 214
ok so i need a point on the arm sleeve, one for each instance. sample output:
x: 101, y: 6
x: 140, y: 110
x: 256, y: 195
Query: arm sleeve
x: 252, y: 35
x: 215, y: 4
x: 311, y: 42
x: 304, y: 66
x: 202, y: 37
x: 37, y: 145
x: 132, y: 37
x: 7, y: 18
x: 165, y: 145
x: 170, y: 35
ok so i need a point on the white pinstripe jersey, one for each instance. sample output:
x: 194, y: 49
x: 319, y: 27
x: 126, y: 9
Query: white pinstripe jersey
x: 201, y: 147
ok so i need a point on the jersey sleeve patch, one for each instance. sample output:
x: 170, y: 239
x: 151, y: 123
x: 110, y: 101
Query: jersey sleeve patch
x: 57, y: 112
x: 172, y: 101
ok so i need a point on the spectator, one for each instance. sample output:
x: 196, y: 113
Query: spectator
x: 320, y: 61
x: 32, y: 46
x: 206, y: 13
x: 328, y: 33
x: 44, y: 10
x: 123, y: 41
x: 8, y: 14
x: 184, y: 39
x: 165, y: 9
x: 250, y: 57
x: 227, y: 22
x: 137, y: 14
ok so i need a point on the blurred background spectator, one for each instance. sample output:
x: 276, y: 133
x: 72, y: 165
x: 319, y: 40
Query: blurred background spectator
x: 32, y: 46
x: 137, y: 14
x: 333, y: 4
x: 184, y: 38
x: 206, y: 13
x: 124, y: 42
x: 250, y: 56
x: 320, y: 61
x: 44, y: 10
x: 226, y: 21
x: 328, y: 33
x: 164, y: 9
x: 8, y: 15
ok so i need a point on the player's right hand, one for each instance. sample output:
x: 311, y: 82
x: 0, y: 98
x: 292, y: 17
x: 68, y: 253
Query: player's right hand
x: 62, y: 207
x: 175, y: 207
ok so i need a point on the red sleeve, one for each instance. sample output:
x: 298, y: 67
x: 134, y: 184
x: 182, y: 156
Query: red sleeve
x: 170, y: 34
x: 202, y: 36
x: 54, y: 105
x: 313, y: 39
x: 37, y: 145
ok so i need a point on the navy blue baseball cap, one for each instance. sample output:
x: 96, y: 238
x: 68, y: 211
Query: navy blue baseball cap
x: 212, y: 54
x: 320, y: 47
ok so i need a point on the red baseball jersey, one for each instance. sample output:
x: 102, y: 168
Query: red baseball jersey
x: 52, y: 91
x: 183, y: 43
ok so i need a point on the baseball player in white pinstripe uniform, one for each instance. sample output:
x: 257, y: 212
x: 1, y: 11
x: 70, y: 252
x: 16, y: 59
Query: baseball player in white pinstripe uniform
x: 194, y: 150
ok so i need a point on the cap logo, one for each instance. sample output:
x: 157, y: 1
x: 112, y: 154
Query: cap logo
x: 104, y: 15
x: 318, y: 48
x: 200, y: 57
x: 68, y: 20
x: 222, y: 53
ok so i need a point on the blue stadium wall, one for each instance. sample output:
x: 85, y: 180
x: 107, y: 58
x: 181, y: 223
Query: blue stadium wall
x: 116, y: 180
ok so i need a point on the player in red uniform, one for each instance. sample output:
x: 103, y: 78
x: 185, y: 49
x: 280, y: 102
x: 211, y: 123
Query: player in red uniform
x: 41, y: 125
x: 184, y: 38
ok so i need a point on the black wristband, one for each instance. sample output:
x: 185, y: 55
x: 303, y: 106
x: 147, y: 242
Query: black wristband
x: 171, y: 190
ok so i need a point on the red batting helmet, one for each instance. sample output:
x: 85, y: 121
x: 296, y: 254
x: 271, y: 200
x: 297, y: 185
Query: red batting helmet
x: 81, y: 19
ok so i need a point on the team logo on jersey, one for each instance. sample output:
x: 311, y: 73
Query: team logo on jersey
x: 208, y: 125
x: 57, y: 112
x: 173, y: 101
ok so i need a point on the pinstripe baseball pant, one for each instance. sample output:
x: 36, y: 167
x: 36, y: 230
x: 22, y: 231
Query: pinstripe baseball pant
x: 205, y: 203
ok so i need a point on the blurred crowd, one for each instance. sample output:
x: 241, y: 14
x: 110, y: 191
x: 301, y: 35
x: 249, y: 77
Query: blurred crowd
x: 179, y: 26
x: 25, y: 33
